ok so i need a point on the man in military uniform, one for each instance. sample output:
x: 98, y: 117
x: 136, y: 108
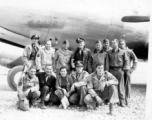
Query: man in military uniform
x: 28, y: 86
x: 97, y: 56
x: 30, y: 52
x: 117, y: 62
x: 47, y: 82
x: 45, y: 56
x: 81, y: 54
x: 63, y: 57
x: 101, y: 87
x: 78, y: 89
x: 106, y: 45
x: 127, y: 74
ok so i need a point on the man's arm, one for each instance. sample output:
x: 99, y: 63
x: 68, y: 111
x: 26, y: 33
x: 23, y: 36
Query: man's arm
x: 107, y: 62
x: 58, y: 83
x: 38, y: 60
x: 72, y: 60
x: 134, y: 59
x: 36, y: 85
x: 90, y: 86
x: 111, y: 80
x: 25, y: 56
x: 83, y: 81
x: 126, y: 62
x: 90, y: 63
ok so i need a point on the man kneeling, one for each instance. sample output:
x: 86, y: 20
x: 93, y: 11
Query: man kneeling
x: 101, y: 86
x: 28, y: 87
x: 78, y: 89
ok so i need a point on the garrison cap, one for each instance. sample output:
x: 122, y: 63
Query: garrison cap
x: 35, y: 36
x: 105, y: 40
x: 78, y: 40
x: 98, y: 41
x: 65, y: 41
x: 78, y: 64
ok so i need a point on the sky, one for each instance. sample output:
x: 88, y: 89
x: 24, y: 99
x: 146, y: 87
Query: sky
x: 108, y: 7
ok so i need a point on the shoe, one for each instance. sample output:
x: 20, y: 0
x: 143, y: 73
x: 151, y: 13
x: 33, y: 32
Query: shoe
x: 83, y: 108
x: 127, y: 102
x: 122, y: 104
x: 42, y: 106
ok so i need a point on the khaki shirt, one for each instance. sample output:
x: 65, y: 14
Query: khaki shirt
x: 117, y: 59
x: 95, y: 58
x: 26, y: 54
x: 45, y: 57
x: 132, y: 58
x: 96, y: 84
x: 62, y: 58
x: 81, y: 79
x: 26, y: 84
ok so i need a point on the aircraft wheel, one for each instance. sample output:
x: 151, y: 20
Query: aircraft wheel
x: 14, y: 76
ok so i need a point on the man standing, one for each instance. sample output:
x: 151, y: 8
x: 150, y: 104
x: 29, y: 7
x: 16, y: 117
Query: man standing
x: 127, y: 74
x: 45, y: 56
x: 101, y: 86
x: 81, y: 54
x: 78, y: 89
x: 97, y: 56
x: 117, y: 62
x: 47, y: 83
x: 63, y: 57
x: 106, y: 46
x: 30, y: 52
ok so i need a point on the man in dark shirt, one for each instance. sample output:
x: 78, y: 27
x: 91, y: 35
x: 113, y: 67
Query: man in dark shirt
x: 117, y: 62
x: 81, y: 54
x: 47, y: 81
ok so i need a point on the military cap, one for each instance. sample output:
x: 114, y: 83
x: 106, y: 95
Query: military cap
x: 78, y: 64
x: 105, y: 40
x: 34, y: 37
x: 98, y: 41
x: 65, y: 41
x: 78, y: 40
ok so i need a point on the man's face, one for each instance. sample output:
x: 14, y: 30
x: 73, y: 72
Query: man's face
x: 66, y: 46
x: 100, y: 70
x: 32, y: 72
x: 81, y: 45
x: 35, y: 41
x: 63, y: 72
x: 48, y: 70
x: 122, y: 45
x: 106, y: 44
x: 114, y: 44
x: 79, y: 69
x: 48, y: 45
x: 98, y: 46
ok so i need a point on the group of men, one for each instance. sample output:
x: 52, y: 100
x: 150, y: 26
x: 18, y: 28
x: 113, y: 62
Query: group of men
x: 85, y: 78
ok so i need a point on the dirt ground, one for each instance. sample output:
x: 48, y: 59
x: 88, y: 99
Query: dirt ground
x: 8, y: 110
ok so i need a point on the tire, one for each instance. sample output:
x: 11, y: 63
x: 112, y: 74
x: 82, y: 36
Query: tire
x: 12, y: 77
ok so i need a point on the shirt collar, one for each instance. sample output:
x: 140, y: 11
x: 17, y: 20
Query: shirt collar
x: 95, y: 51
x: 116, y: 51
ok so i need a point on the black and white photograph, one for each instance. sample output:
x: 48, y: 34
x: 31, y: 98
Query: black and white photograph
x: 75, y: 60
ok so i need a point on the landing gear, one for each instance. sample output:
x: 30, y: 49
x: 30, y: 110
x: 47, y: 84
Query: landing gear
x: 14, y: 76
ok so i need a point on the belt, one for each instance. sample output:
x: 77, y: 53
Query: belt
x: 115, y: 68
